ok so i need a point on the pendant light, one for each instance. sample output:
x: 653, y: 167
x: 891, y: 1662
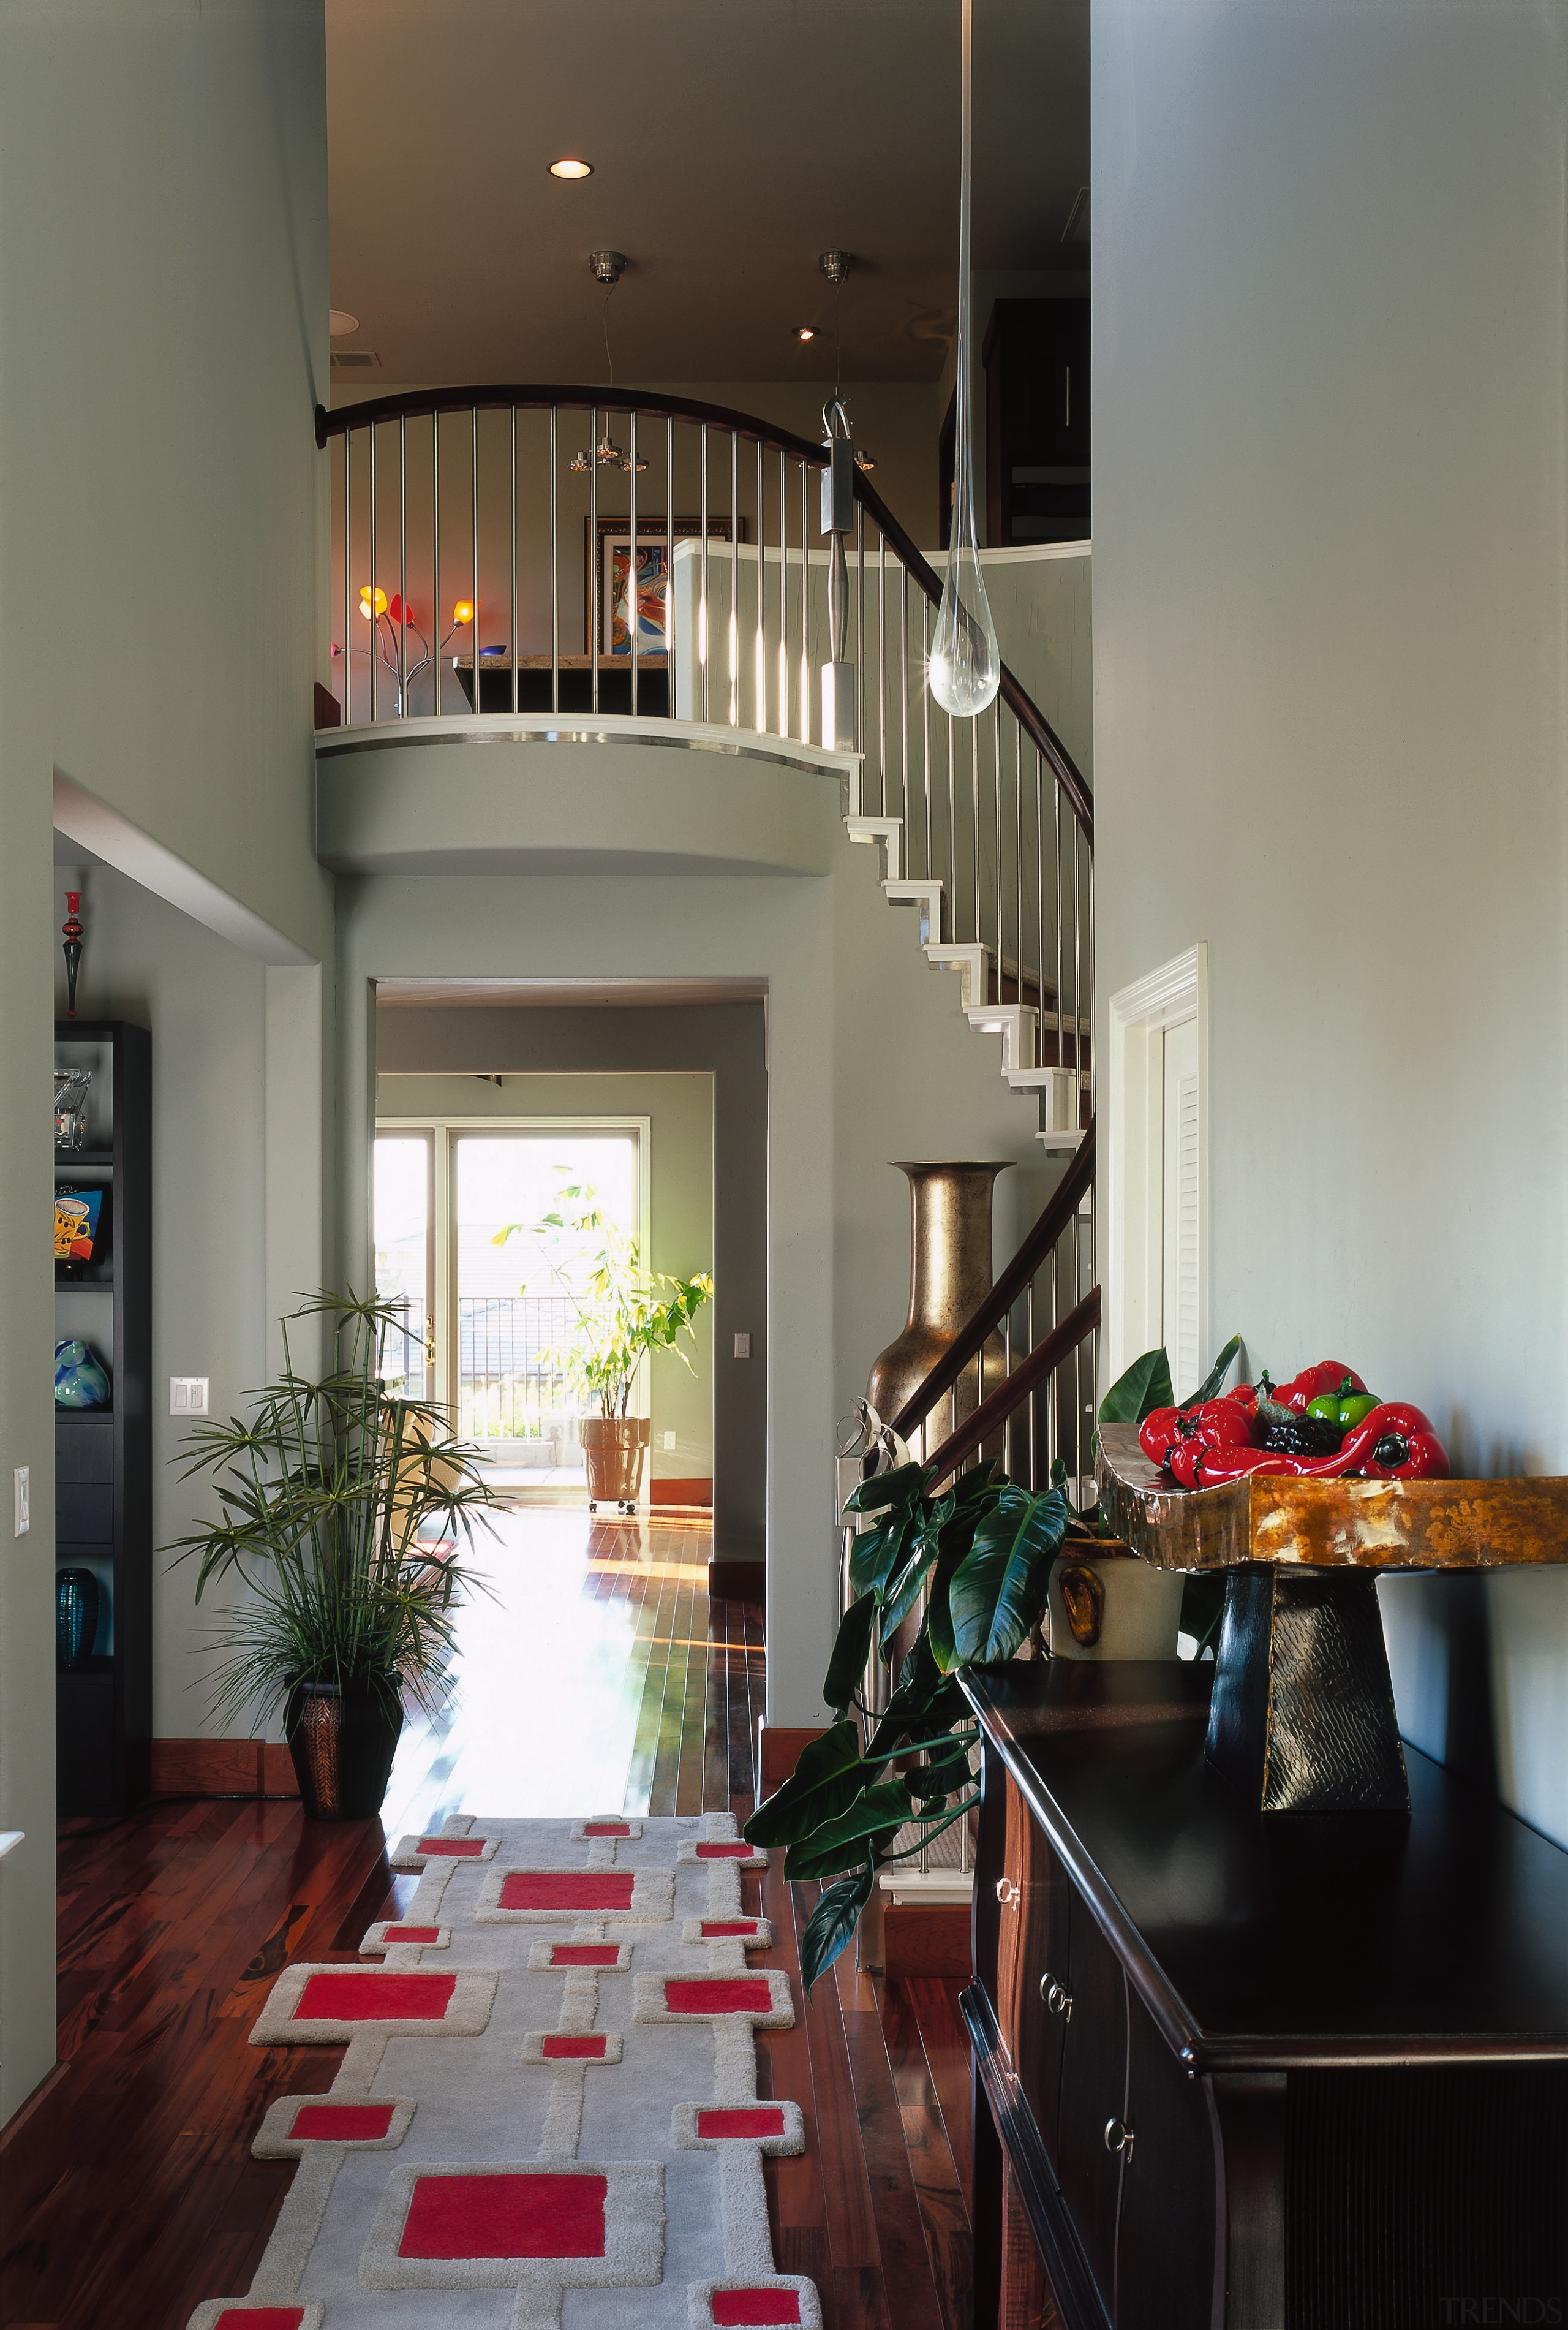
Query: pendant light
x: 966, y: 664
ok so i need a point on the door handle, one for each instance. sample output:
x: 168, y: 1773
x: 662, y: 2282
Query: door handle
x: 1057, y: 1999
x: 1007, y: 1891
x: 430, y: 1344
x: 1118, y: 2138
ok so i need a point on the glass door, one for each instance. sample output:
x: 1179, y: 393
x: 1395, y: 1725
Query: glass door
x: 405, y: 1259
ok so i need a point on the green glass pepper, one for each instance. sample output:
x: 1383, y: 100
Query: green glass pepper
x: 1344, y: 1407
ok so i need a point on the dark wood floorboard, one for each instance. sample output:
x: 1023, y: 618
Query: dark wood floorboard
x: 131, y: 2193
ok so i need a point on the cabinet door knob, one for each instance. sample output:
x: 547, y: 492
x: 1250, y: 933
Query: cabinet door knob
x: 1058, y: 1999
x: 1007, y: 1891
x: 1118, y: 2138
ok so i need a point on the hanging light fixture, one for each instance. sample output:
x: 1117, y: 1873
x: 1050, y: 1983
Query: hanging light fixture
x: 608, y: 268
x: 966, y: 664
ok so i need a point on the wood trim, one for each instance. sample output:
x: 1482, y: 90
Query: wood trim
x: 737, y: 1581
x: 665, y: 1492
x: 25, y: 2112
x: 778, y: 1750
x: 927, y: 1941
x: 329, y: 710
x: 221, y: 1767
x: 1058, y: 1212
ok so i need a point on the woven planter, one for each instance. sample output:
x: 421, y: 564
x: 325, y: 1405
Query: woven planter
x: 612, y: 1448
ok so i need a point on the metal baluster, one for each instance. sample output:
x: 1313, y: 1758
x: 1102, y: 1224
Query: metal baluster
x: 1056, y: 911
x: 1034, y: 1417
x: 860, y: 644
x: 635, y: 599
x: 436, y: 547
x: 903, y: 705
x: 926, y: 727
x: 474, y: 486
x: 953, y: 826
x: 1077, y: 1022
x: 759, y: 708
x: 996, y: 813
x: 1077, y: 1377
x: 347, y: 584
x: 783, y: 593
x: 703, y: 555
x: 881, y: 670
x: 670, y: 565
x: 374, y: 617
x: 595, y: 613
x: 554, y: 561
x: 804, y: 617
x: 513, y: 444
x: 402, y: 565
x: 975, y: 840
x: 1018, y: 889
x: 734, y: 579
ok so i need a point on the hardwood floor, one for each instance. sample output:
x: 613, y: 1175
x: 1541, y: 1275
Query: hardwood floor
x: 599, y: 1675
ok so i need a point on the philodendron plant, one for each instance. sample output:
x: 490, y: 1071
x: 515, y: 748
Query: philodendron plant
x: 981, y: 1552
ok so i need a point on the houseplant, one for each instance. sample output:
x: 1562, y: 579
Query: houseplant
x: 621, y: 1311
x: 981, y: 1554
x: 328, y: 1496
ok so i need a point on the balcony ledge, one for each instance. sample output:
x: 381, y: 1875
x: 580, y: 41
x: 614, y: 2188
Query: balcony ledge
x: 636, y: 796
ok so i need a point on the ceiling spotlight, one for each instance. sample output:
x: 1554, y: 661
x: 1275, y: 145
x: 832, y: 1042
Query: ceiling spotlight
x: 339, y: 321
x: 567, y: 167
x: 805, y: 331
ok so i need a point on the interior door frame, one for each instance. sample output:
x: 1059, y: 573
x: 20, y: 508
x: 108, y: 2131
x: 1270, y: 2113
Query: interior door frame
x: 1139, y: 1015
x: 442, y: 1130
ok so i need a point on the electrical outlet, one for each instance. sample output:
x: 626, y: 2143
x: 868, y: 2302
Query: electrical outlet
x: 669, y: 1439
x: 187, y: 1394
x: 742, y: 1347
x: 24, y: 1480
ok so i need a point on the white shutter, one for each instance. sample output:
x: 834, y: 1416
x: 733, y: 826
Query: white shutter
x: 1180, y: 1208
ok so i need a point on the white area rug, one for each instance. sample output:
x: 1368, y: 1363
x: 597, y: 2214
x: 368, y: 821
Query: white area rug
x: 548, y: 2110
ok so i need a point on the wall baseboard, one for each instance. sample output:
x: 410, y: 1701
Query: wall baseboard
x: 926, y: 1942
x: 737, y: 1581
x: 778, y: 1750
x: 680, y: 1493
x: 221, y: 1767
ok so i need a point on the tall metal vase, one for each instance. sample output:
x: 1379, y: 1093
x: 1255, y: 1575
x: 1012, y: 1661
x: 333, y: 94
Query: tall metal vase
x: 949, y: 1272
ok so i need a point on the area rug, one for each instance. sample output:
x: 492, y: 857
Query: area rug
x: 548, y: 2106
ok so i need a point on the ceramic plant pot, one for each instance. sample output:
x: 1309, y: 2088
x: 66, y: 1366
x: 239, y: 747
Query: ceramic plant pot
x: 949, y: 1275
x: 342, y: 1742
x: 612, y: 1448
x: 1114, y: 1606
x: 76, y: 1608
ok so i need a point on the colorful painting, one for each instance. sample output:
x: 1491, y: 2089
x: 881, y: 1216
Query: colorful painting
x: 611, y: 581
x: 76, y: 1213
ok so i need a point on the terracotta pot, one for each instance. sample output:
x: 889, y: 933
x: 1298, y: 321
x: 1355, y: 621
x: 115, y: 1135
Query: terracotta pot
x: 342, y: 1742
x: 949, y: 1272
x: 1114, y: 1606
x: 612, y: 1448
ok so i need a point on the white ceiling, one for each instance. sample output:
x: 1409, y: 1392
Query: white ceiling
x: 733, y: 140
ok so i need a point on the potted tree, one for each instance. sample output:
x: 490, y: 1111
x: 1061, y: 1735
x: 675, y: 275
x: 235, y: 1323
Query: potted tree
x: 340, y: 1512
x: 621, y: 1312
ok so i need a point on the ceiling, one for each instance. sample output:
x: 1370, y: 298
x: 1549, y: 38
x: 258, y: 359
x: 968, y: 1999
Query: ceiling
x: 733, y: 140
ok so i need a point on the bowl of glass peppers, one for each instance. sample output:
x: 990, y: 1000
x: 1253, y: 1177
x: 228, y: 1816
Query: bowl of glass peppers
x: 1322, y: 1425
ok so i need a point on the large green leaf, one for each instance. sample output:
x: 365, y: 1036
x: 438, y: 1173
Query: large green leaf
x: 1210, y: 1386
x: 847, y: 1667
x: 1145, y: 1387
x: 873, y: 1556
x: 998, y: 1589
x: 828, y: 1777
x: 940, y: 1623
x: 879, y: 1813
x: 833, y: 1921
x: 903, y: 1590
x: 899, y: 1487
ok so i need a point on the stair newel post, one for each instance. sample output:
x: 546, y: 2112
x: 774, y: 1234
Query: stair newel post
x: 839, y: 515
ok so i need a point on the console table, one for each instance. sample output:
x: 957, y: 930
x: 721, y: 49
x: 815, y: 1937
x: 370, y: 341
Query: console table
x: 1240, y: 2071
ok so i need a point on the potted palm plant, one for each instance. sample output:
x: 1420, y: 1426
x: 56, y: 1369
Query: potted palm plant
x: 340, y: 1512
x: 620, y: 1311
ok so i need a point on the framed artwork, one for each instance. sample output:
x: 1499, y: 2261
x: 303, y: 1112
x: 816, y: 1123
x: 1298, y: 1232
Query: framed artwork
x: 616, y: 602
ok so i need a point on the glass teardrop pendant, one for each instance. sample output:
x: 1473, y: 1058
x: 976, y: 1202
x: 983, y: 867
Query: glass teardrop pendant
x: 966, y: 663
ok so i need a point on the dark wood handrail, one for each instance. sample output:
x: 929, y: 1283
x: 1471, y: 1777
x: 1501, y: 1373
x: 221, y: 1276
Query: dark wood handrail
x: 534, y: 396
x: 1058, y: 1212
x: 994, y: 1412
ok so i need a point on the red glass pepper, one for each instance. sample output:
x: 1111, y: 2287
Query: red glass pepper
x: 1328, y: 1375
x: 1396, y: 1443
x: 1157, y: 1432
x: 1215, y: 1466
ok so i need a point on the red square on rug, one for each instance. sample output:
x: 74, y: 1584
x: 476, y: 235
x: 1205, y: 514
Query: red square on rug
x: 766, y: 2119
x: 504, y: 2217
x: 606, y: 1828
x: 570, y: 1888
x: 563, y: 2045
x: 715, y: 1928
x: 261, y: 2317
x: 453, y: 1848
x: 341, y: 2122
x: 740, y: 2309
x: 584, y: 1953
x: 413, y: 1933
x: 738, y: 1852
x: 738, y: 1996
x: 351, y: 1997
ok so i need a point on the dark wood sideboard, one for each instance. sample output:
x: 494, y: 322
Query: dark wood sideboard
x: 1242, y: 2071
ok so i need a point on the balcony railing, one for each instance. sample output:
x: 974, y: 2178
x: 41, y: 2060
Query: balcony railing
x: 512, y: 550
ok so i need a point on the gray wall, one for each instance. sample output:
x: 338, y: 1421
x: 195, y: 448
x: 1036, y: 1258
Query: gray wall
x: 163, y: 278
x: 726, y: 1040
x: 1330, y: 717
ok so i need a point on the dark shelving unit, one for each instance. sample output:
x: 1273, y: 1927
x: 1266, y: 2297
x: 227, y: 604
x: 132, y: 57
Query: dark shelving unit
x: 103, y: 1457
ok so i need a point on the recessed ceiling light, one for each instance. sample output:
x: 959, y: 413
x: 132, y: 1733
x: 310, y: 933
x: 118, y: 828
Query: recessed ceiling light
x: 568, y: 168
x: 805, y: 331
x: 339, y: 321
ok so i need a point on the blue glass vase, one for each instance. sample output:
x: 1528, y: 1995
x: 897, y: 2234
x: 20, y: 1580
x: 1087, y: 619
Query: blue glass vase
x: 76, y: 1603
x: 80, y: 1380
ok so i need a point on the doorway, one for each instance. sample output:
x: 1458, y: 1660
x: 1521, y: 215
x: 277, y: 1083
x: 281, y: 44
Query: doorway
x: 487, y: 1290
x: 1157, y: 1259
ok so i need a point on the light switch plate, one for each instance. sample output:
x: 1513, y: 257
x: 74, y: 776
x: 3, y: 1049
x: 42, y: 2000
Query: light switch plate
x: 187, y: 1394
x: 668, y: 1438
x: 23, y: 1481
x: 742, y: 1347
